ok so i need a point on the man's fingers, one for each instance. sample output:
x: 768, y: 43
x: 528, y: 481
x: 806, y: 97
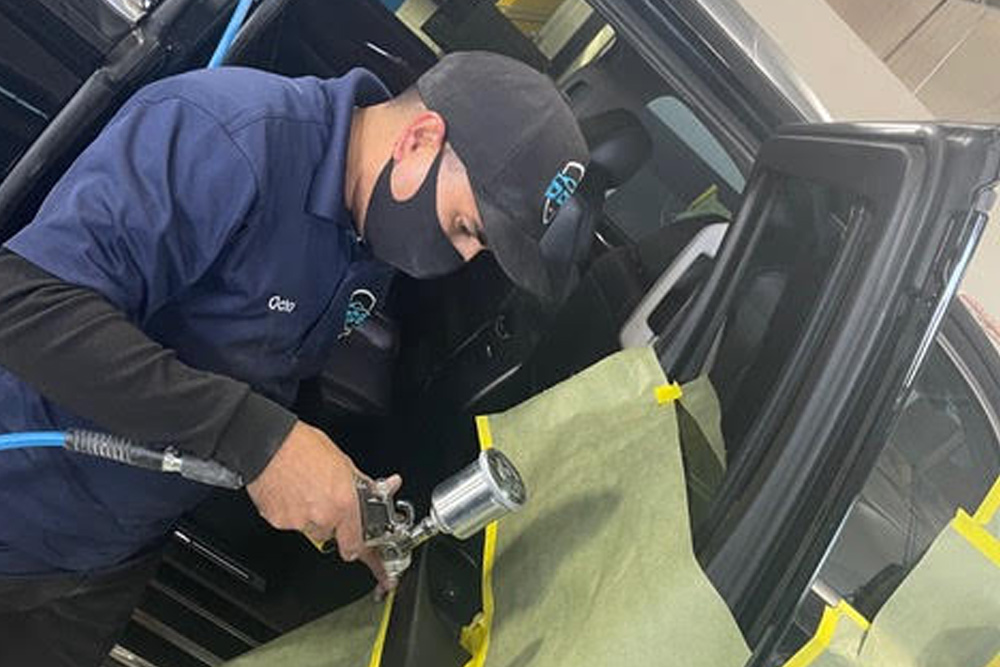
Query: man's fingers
x: 349, y: 540
x: 374, y: 563
x: 395, y: 483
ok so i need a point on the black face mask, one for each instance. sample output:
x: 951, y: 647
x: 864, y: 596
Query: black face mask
x: 407, y: 234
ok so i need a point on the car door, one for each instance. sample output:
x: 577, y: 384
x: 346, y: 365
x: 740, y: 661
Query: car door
x: 823, y: 302
x: 47, y: 49
x: 813, y: 324
x: 943, y: 454
x: 66, y: 67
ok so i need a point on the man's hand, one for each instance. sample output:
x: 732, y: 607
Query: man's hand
x: 309, y: 486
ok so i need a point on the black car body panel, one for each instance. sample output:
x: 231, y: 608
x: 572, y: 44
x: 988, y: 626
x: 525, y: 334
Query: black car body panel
x: 808, y: 449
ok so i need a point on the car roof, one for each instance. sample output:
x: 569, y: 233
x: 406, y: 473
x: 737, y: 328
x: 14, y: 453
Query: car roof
x: 825, y: 57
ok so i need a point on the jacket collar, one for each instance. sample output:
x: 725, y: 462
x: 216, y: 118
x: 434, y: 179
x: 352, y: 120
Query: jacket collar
x: 357, y: 88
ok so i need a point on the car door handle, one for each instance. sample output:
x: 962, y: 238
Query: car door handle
x: 636, y: 331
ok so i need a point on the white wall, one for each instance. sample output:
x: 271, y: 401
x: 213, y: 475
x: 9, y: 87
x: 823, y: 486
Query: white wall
x: 855, y: 84
x: 852, y: 82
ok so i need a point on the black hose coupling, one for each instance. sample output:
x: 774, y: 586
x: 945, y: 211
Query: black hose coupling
x: 123, y: 450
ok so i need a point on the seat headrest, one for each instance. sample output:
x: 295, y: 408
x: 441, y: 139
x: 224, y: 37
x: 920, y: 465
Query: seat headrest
x: 619, y: 145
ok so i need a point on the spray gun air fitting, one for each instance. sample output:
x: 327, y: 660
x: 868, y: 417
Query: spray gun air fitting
x: 462, y: 505
x: 486, y: 490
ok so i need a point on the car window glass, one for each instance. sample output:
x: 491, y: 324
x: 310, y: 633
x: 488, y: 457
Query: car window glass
x: 688, y: 166
x: 554, y: 36
x: 803, y: 225
x: 46, y: 51
x: 680, y: 120
x: 33, y: 85
x: 942, y: 455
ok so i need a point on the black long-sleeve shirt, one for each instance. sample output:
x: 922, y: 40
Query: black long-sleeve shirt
x: 78, y: 351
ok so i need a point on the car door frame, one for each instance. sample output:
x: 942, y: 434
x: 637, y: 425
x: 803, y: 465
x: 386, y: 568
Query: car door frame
x: 810, y: 449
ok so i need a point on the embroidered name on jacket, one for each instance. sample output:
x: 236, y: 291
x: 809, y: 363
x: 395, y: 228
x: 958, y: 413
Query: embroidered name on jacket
x: 280, y: 304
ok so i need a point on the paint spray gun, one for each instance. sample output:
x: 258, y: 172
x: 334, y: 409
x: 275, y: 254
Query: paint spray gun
x: 462, y: 505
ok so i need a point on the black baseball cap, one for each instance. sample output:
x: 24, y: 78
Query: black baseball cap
x: 522, y: 149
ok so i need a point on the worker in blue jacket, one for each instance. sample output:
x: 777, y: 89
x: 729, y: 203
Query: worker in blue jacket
x: 196, y: 262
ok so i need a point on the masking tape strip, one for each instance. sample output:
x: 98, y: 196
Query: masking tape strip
x: 383, y: 629
x: 977, y: 536
x: 850, y: 612
x: 475, y: 637
x: 704, y: 196
x: 988, y: 509
x: 819, y: 642
x: 995, y: 662
x: 483, y: 431
x: 668, y: 393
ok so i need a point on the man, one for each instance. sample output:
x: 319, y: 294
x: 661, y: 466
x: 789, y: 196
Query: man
x: 196, y: 262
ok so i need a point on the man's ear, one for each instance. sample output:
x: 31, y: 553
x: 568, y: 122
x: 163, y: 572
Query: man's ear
x: 426, y: 132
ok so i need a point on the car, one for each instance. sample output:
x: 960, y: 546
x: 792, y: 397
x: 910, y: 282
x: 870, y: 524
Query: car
x: 809, y: 269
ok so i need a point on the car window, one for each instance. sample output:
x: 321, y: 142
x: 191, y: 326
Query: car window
x: 688, y: 166
x: 46, y: 52
x: 27, y: 99
x: 554, y: 36
x: 681, y: 121
x: 942, y: 455
x: 802, y: 227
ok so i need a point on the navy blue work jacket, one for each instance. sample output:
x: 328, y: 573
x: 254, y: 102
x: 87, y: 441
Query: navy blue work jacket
x: 210, y: 210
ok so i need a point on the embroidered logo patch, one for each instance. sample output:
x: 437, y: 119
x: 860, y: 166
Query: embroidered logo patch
x: 561, y: 188
x: 359, y: 308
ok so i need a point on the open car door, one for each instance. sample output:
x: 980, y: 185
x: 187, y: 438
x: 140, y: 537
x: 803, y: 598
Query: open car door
x: 824, y: 299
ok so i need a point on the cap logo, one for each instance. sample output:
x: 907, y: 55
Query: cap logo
x: 561, y: 188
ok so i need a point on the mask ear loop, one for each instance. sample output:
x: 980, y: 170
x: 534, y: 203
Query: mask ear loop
x: 430, y: 180
x: 426, y: 251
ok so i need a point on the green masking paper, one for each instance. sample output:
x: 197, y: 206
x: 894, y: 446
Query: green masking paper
x: 989, y: 511
x: 946, y: 613
x: 837, y: 640
x: 343, y: 638
x: 700, y: 425
x: 598, y: 567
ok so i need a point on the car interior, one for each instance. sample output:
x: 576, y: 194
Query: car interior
x: 399, y: 396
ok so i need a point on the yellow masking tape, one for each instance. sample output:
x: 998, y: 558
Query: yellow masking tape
x: 989, y: 506
x: 383, y: 628
x: 818, y: 642
x: 667, y: 393
x: 483, y: 430
x: 850, y: 612
x: 977, y: 536
x: 475, y: 637
x: 704, y: 196
x: 995, y: 662
x: 824, y: 633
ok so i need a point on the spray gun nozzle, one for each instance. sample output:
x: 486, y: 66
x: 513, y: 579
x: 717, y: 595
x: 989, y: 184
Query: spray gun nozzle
x: 462, y: 505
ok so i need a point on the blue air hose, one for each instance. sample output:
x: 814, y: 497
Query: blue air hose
x: 122, y: 450
x: 32, y: 439
x: 233, y: 27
